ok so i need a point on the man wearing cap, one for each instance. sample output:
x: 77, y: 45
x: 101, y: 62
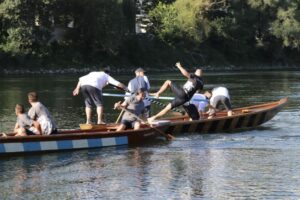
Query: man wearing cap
x: 91, y: 86
x: 141, y: 82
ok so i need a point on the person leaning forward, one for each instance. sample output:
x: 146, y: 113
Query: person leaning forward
x: 24, y: 125
x: 182, y: 94
x: 91, y: 86
x: 134, y: 106
x: 217, y: 96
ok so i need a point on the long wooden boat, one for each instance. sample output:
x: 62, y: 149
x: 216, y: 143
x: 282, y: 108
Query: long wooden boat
x: 105, y: 135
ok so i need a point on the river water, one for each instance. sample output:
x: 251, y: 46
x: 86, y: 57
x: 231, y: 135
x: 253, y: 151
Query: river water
x: 263, y: 163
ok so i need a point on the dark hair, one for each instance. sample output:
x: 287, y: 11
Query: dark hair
x: 140, y: 90
x: 33, y: 97
x: 20, y: 108
x: 107, y: 70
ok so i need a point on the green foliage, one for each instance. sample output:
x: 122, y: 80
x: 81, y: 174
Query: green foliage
x: 81, y: 29
x: 166, y: 23
x: 243, y: 30
x: 287, y: 26
x: 94, y: 31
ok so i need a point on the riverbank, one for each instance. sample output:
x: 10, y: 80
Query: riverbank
x: 119, y: 70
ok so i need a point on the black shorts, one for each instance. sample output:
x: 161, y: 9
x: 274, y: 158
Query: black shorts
x: 92, y: 96
x: 29, y: 132
x: 128, y: 123
x: 146, y: 112
x: 180, y: 95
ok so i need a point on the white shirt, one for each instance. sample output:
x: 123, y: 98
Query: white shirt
x: 219, y: 91
x: 200, y: 101
x: 97, y: 80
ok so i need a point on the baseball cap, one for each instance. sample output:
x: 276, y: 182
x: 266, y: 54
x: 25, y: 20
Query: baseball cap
x: 139, y: 70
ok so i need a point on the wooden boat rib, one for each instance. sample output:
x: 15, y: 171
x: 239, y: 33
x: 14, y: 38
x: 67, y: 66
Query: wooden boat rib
x: 246, y: 117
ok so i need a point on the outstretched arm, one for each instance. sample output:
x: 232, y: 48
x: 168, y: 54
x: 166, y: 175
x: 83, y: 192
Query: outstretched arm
x: 182, y: 70
x: 121, y: 85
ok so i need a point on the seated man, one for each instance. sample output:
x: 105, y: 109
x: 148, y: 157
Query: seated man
x: 25, y: 125
x: 217, y: 96
x: 134, y: 106
x: 41, y: 114
x: 182, y: 94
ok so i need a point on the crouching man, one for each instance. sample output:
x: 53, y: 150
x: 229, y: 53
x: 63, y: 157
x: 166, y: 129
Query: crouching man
x: 133, y: 107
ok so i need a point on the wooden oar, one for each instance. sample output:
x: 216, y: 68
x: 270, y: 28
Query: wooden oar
x: 167, y: 136
x: 119, y: 117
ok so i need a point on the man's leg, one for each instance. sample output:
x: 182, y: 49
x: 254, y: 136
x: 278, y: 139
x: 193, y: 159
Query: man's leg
x: 137, y: 125
x: 161, y: 113
x: 121, y: 127
x: 88, y: 113
x: 166, y: 84
x: 100, y: 113
x: 21, y: 132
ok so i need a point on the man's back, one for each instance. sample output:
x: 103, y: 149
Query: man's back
x: 200, y: 101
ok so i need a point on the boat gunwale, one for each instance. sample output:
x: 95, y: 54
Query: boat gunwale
x: 271, y: 106
x: 78, y: 134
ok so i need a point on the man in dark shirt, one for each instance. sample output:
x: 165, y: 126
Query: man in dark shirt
x: 182, y: 94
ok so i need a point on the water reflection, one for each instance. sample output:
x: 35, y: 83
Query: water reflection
x: 253, y: 164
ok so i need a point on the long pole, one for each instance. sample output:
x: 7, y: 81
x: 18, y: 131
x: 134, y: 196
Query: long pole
x: 167, y: 136
x: 151, y: 100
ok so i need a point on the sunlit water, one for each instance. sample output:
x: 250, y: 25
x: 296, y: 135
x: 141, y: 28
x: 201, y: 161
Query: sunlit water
x: 263, y: 163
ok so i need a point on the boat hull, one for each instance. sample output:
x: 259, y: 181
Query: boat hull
x: 244, y: 118
x: 104, y: 136
x: 72, y: 140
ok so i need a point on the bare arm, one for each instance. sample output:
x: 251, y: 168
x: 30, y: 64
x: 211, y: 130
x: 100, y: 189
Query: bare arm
x: 120, y: 105
x: 77, y: 89
x: 16, y: 128
x: 37, y: 126
x: 182, y: 70
x: 121, y: 85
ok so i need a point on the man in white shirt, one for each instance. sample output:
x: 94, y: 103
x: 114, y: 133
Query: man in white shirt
x: 219, y: 95
x: 91, y: 86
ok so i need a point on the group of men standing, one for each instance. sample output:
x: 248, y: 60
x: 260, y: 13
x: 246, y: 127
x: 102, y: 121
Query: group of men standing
x: 136, y: 106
